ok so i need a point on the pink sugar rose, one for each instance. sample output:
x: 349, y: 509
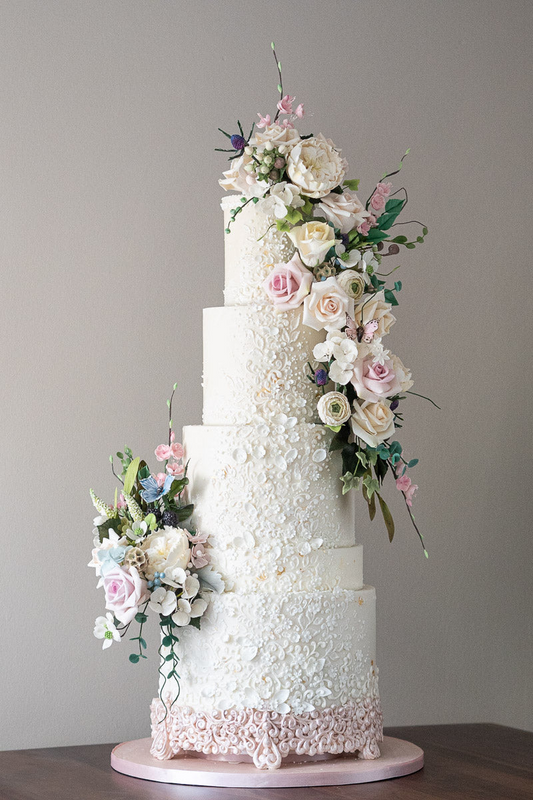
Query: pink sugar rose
x: 384, y: 189
x: 374, y: 381
x: 124, y: 592
x: 377, y: 201
x: 288, y: 284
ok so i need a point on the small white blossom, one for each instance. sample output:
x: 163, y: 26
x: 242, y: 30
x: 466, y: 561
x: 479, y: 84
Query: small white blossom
x: 162, y: 601
x: 104, y: 628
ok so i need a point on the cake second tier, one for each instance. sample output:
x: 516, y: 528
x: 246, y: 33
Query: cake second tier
x: 270, y: 499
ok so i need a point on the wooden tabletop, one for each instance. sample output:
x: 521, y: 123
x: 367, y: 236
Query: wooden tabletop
x: 464, y: 762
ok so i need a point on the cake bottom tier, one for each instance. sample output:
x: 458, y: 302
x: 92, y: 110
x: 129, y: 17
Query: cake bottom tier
x: 268, y: 675
x: 268, y: 737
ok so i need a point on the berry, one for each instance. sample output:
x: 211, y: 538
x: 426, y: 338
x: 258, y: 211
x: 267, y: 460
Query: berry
x: 170, y: 518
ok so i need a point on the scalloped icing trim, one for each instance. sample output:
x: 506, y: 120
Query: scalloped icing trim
x: 267, y: 736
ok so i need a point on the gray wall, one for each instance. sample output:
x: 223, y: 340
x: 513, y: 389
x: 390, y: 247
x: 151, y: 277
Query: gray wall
x: 111, y: 243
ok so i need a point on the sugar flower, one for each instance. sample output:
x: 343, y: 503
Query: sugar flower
x: 163, y: 601
x: 313, y: 240
x: 285, y: 104
x: 288, y: 284
x: 372, y: 422
x: 104, y: 628
x: 316, y: 166
x: 374, y: 380
x: 326, y: 306
x: 173, y: 450
x: 167, y: 551
x: 111, y: 557
x: 408, y: 489
x: 124, y: 592
x: 334, y: 409
x: 299, y: 111
x: 187, y: 610
x: 263, y: 121
x: 344, y: 210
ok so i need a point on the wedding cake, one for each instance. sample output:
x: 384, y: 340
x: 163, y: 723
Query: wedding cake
x: 284, y: 662
x: 244, y: 546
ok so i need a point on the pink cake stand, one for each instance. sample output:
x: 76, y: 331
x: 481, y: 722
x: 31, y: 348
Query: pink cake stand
x: 397, y: 758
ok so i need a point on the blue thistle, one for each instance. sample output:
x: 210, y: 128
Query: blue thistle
x: 321, y: 377
x: 238, y: 142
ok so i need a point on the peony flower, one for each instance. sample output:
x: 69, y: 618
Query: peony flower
x: 334, y: 409
x: 373, y: 306
x: 352, y: 283
x: 104, y: 628
x: 326, y: 306
x: 263, y: 121
x: 313, y: 240
x: 373, y: 380
x: 237, y: 179
x: 315, y: 166
x: 344, y: 210
x: 372, y: 422
x: 288, y: 284
x: 402, y: 373
x: 163, y: 601
x: 285, y: 104
x: 285, y: 196
x: 187, y: 610
x: 278, y: 135
x: 167, y: 551
x: 124, y: 592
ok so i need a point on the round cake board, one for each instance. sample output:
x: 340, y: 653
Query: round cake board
x: 397, y: 758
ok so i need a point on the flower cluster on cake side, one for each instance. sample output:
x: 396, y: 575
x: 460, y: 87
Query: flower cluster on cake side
x: 337, y: 277
x: 148, y: 556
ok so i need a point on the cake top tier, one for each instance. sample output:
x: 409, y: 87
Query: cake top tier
x: 251, y: 249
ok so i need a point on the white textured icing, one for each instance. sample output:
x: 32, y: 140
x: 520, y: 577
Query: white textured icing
x: 255, y: 362
x: 267, y: 494
x: 252, y: 247
x: 296, y: 652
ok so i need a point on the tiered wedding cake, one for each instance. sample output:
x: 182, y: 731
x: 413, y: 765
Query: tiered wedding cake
x: 284, y: 662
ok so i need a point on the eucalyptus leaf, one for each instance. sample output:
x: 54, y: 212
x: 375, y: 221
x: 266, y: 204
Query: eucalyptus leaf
x: 413, y: 462
x: 134, y: 658
x: 387, y: 517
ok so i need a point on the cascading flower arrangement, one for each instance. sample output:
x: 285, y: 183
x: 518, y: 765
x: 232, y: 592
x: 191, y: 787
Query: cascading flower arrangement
x: 335, y: 276
x: 148, y: 557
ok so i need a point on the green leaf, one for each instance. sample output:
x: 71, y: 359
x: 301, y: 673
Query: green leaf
x: 372, y: 455
x: 293, y: 215
x: 394, y: 204
x: 120, y: 455
x: 380, y: 468
x: 167, y: 641
x: 420, y: 239
x: 185, y: 512
x: 134, y: 658
x: 375, y: 235
x: 141, y: 618
x: 144, y: 472
x: 334, y: 428
x: 195, y: 622
x: 424, y: 231
x: 353, y: 185
x: 350, y: 481
x: 131, y: 475
x: 142, y: 643
x: 307, y: 208
x: 399, y: 239
x: 169, y: 657
x: 272, y: 45
x: 282, y: 225
x: 371, y: 485
x: 387, y: 517
x: 410, y: 245
x: 395, y: 447
x: 413, y: 462
x: 371, y: 507
x: 280, y: 88
x: 390, y: 297
x: 398, y: 286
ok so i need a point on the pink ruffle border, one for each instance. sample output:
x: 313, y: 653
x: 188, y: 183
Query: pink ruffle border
x: 267, y: 736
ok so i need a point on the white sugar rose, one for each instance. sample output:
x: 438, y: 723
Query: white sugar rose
x: 326, y: 306
x: 237, y: 179
x: 352, y: 283
x: 344, y: 210
x: 167, y: 551
x: 278, y: 135
x: 372, y: 307
x: 316, y: 166
x: 334, y: 409
x: 313, y: 240
x: 372, y: 422
x: 402, y: 373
